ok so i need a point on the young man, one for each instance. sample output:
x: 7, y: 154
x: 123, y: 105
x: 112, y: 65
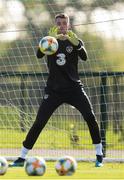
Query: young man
x: 63, y: 86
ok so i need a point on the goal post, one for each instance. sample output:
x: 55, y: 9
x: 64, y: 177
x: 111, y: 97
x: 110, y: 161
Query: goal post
x: 23, y: 78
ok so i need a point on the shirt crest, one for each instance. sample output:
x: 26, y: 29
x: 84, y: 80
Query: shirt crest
x: 69, y: 49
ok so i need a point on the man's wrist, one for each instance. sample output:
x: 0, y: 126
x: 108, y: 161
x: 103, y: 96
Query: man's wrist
x: 79, y: 46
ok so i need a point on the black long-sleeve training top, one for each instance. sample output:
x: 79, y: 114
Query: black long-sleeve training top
x: 63, y: 65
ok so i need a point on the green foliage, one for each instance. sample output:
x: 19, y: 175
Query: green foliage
x: 96, y: 50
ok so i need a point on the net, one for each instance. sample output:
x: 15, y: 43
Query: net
x: 23, y: 77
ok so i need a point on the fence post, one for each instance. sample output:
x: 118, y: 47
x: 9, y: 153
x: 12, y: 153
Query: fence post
x: 103, y: 109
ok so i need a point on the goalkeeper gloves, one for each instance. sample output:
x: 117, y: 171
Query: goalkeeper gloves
x: 72, y: 37
x: 54, y: 33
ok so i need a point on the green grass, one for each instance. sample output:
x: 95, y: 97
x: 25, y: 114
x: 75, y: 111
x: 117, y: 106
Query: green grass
x: 84, y: 171
x: 49, y: 139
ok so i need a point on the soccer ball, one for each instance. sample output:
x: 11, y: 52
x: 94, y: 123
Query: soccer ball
x: 66, y: 166
x: 3, y: 165
x: 35, y: 166
x: 48, y: 45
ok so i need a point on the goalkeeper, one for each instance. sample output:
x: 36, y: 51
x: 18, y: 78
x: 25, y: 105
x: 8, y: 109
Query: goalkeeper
x: 63, y: 86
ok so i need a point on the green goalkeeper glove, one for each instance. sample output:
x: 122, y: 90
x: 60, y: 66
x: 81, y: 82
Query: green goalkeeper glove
x: 72, y: 37
x: 54, y: 33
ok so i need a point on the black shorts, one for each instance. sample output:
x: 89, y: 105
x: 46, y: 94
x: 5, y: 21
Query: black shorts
x: 76, y: 97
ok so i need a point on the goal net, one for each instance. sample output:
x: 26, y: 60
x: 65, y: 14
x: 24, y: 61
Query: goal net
x: 99, y: 23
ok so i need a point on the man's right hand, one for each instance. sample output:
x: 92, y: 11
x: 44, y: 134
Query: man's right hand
x: 53, y: 32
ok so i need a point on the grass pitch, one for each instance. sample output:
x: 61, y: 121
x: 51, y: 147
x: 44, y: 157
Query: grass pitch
x: 84, y: 171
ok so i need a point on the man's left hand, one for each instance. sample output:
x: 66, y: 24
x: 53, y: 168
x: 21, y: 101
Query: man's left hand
x: 72, y: 37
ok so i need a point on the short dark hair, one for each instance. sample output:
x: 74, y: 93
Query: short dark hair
x: 62, y: 15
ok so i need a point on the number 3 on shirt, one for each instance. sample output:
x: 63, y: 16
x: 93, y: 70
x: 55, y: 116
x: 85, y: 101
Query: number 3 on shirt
x: 61, y: 60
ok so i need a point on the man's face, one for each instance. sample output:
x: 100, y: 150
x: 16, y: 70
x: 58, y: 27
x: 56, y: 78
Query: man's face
x: 62, y: 24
